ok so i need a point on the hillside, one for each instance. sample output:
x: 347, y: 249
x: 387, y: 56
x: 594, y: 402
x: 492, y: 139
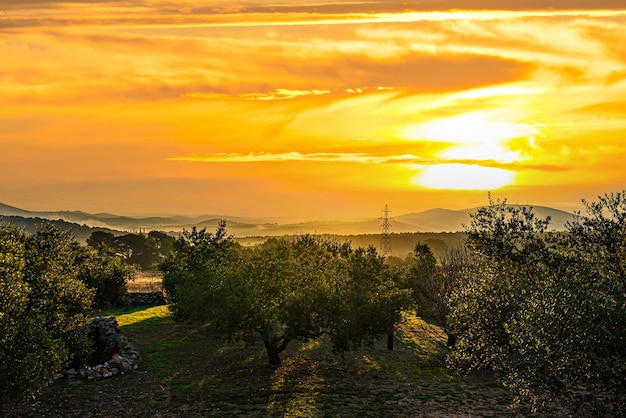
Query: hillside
x: 434, y: 220
x: 440, y: 220
x: 81, y: 232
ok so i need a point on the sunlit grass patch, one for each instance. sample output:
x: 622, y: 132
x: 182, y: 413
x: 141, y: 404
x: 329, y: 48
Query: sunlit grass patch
x: 310, y: 345
x: 156, y: 315
x: 426, y: 339
x: 295, y: 389
x: 371, y: 363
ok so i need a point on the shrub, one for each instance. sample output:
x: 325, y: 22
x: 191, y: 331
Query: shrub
x: 41, y: 302
x: 106, y: 273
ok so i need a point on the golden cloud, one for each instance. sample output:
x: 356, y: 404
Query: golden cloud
x: 376, y: 92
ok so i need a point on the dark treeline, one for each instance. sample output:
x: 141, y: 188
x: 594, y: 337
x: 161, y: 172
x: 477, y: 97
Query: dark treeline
x: 145, y: 251
x: 80, y: 232
x: 402, y: 244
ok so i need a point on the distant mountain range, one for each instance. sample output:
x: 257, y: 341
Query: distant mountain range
x: 442, y: 220
x: 434, y: 220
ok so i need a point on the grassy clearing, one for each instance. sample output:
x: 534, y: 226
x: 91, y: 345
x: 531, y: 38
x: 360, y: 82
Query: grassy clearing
x: 184, y: 372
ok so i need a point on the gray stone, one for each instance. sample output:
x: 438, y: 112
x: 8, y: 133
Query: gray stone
x: 115, y: 354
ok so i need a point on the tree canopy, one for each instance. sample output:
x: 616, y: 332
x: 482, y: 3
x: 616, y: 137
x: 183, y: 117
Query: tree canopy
x: 289, y: 288
x: 547, y: 310
x: 146, y: 251
x: 105, y: 273
x: 48, y: 284
x: 432, y: 282
x: 41, y: 302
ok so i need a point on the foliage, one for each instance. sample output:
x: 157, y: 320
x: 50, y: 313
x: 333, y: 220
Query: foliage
x: 106, y: 273
x: 144, y: 250
x: 289, y: 288
x: 100, y: 238
x: 51, y: 273
x: 196, y: 258
x: 160, y: 245
x: 422, y: 279
x: 361, y: 300
x: 432, y: 282
x: 547, y: 311
x: 41, y: 302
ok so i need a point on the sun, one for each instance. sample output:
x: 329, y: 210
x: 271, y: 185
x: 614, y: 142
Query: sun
x: 478, y: 136
x: 474, y: 150
x: 463, y: 177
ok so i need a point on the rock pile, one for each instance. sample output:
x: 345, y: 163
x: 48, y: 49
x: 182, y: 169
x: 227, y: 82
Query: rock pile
x: 113, y: 353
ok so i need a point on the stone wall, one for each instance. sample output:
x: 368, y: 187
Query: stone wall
x: 150, y: 299
x: 113, y: 353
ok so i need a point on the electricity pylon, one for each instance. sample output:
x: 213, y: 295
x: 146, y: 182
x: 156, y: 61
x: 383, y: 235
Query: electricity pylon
x: 385, y: 226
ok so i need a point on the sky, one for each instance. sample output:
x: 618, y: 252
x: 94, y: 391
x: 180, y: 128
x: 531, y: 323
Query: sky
x: 309, y: 109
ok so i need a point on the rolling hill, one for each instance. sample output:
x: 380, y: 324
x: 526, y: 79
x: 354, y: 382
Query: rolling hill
x: 430, y: 221
x: 444, y: 220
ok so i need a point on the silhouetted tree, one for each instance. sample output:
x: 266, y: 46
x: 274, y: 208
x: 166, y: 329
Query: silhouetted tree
x: 99, y: 238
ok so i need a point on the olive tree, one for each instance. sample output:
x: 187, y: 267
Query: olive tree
x: 367, y: 302
x: 546, y: 310
x: 582, y: 345
x: 41, y: 303
x: 196, y: 259
x: 105, y: 273
x: 432, y: 283
x: 285, y: 285
x: 422, y: 277
x: 289, y: 288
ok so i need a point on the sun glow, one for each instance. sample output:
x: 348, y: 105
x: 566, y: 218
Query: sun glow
x: 475, y: 127
x: 308, y: 109
x: 474, y: 136
x: 463, y: 177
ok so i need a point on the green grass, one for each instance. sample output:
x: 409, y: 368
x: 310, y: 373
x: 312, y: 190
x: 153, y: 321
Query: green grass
x: 184, y: 372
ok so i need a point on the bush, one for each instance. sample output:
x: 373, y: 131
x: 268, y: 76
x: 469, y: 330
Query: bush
x: 107, y: 274
x: 41, y: 302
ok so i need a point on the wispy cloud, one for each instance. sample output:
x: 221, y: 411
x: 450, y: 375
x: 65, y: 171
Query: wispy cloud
x: 186, y: 14
x: 325, y: 96
x: 278, y: 94
x: 329, y: 157
x: 409, y: 161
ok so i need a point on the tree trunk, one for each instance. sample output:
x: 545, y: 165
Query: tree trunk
x: 272, y: 353
x: 390, y: 341
x: 274, y: 348
x: 451, y: 340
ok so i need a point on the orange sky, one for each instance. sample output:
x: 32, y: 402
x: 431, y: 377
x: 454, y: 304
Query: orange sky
x: 332, y: 109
